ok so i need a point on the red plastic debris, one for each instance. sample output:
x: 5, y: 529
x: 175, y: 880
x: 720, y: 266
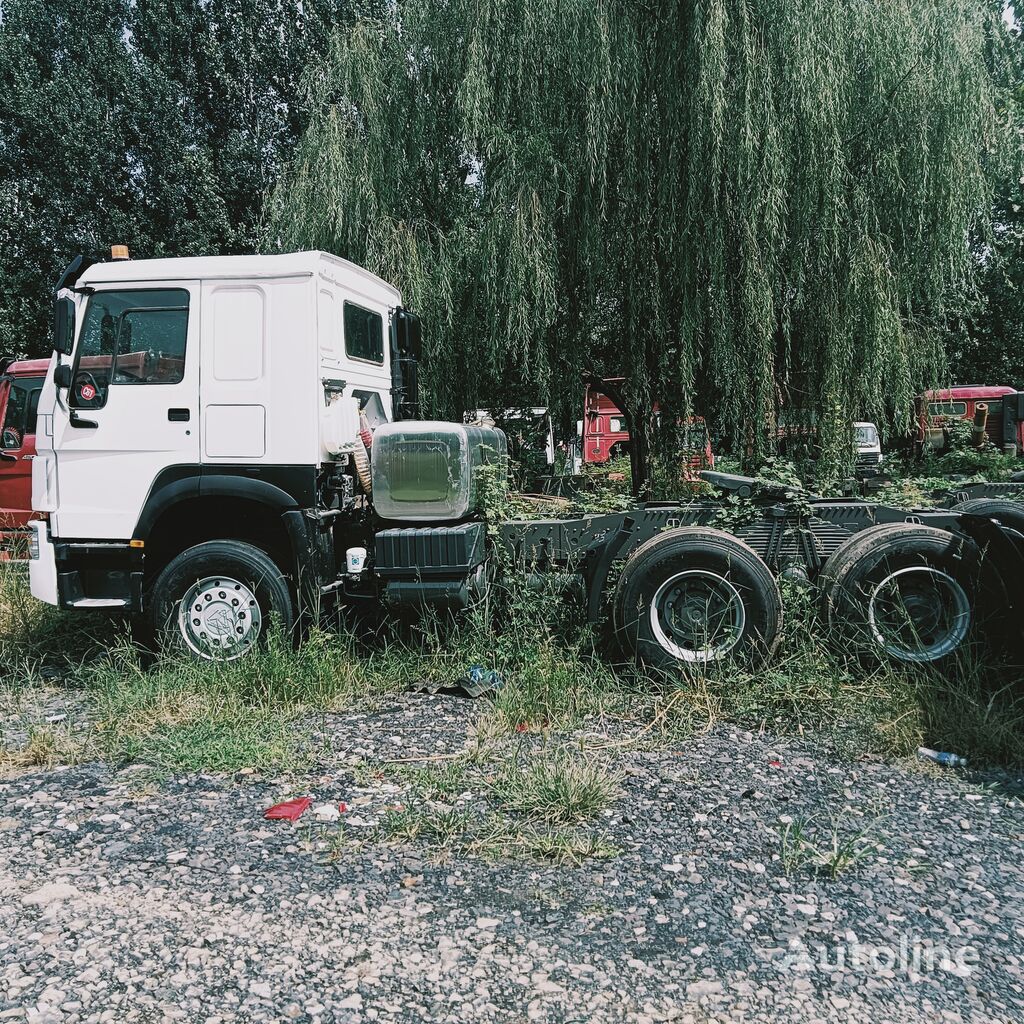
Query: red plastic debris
x: 343, y: 807
x: 522, y: 727
x: 290, y: 810
x: 774, y: 764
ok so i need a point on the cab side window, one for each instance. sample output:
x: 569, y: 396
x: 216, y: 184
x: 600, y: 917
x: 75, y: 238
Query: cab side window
x: 130, y: 337
x: 20, y: 416
x: 17, y: 403
x: 364, y: 334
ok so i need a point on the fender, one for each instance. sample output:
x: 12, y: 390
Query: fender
x: 281, y: 488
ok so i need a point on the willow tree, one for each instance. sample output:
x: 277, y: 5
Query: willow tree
x: 752, y: 209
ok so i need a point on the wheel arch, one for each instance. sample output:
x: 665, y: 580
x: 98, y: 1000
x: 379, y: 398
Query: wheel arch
x: 188, y: 483
x: 185, y: 513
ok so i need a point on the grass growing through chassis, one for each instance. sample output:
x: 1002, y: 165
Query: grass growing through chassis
x: 559, y: 675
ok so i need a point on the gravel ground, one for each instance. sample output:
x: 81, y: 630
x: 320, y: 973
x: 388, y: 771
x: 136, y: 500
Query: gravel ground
x: 121, y: 901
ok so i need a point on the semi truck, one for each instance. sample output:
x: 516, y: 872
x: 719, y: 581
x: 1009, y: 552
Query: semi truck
x: 997, y: 409
x: 229, y: 443
x: 21, y: 383
x: 604, y: 431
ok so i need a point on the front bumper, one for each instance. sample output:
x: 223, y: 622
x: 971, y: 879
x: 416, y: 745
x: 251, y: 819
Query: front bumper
x: 85, y: 575
x: 42, y: 566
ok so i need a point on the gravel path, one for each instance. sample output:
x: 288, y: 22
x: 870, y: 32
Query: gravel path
x: 124, y: 902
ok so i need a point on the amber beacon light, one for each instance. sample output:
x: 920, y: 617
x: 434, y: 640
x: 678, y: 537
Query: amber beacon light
x: 119, y: 252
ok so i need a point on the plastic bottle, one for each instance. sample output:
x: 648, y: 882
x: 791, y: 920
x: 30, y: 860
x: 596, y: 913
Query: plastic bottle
x: 941, y: 757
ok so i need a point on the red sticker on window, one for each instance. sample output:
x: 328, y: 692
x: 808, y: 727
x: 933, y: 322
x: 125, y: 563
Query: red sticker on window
x: 88, y: 392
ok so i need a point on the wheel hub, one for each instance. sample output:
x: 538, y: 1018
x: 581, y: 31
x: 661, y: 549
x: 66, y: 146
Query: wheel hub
x: 697, y: 616
x: 219, y: 618
x: 919, y: 614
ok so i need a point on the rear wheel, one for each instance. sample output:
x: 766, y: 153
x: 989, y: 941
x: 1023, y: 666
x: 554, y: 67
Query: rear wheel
x: 1009, y: 513
x: 216, y: 601
x: 696, y: 596
x: 911, y: 593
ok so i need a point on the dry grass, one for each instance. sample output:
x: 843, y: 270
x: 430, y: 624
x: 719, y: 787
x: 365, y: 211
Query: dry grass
x: 47, y: 747
x: 183, y: 716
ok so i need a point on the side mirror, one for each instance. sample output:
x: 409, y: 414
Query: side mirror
x: 64, y: 326
x: 11, y: 438
x: 408, y: 333
x: 62, y: 376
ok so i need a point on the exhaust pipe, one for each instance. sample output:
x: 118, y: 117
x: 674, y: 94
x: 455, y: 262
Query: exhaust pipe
x: 980, y: 422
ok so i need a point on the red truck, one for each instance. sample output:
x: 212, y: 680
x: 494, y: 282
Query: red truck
x: 20, y: 385
x: 604, y: 434
x: 1004, y: 425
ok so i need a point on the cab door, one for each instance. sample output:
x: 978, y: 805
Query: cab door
x: 132, y: 409
x: 17, y: 449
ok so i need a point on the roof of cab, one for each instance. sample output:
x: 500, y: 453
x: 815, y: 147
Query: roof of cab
x: 968, y: 392
x: 27, y: 368
x: 206, y: 268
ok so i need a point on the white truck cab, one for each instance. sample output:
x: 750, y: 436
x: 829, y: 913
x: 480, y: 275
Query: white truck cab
x: 869, y: 449
x: 201, y: 399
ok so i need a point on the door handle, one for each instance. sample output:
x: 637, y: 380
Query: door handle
x: 178, y: 415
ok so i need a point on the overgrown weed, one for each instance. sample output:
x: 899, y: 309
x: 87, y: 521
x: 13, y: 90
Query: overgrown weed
x: 558, y: 675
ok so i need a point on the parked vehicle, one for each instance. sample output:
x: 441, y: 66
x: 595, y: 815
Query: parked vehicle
x: 869, y: 449
x: 211, y: 474
x: 1003, y: 415
x: 604, y: 433
x: 21, y: 383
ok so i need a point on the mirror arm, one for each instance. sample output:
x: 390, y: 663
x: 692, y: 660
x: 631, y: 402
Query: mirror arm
x: 75, y: 420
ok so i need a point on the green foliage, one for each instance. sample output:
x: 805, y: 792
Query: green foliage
x: 557, y: 788
x: 987, y: 339
x: 764, y: 209
x: 960, y: 457
x: 157, y: 123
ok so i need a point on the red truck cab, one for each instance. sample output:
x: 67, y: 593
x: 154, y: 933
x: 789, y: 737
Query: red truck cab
x: 20, y: 385
x: 604, y: 434
x: 1004, y: 426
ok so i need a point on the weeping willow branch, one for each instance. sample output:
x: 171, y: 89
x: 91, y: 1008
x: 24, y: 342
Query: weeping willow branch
x: 756, y: 210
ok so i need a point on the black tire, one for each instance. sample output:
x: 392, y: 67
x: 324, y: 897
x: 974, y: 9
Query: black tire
x: 909, y: 593
x: 236, y: 591
x: 658, y: 610
x: 1009, y: 513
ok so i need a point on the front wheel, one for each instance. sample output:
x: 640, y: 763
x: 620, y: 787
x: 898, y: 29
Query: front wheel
x: 216, y: 601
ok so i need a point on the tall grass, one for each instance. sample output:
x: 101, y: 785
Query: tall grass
x: 557, y: 673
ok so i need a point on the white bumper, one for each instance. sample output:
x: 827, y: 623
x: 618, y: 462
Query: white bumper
x: 42, y: 566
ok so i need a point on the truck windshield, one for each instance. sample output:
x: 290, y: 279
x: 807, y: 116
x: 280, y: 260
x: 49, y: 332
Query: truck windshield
x: 866, y: 434
x: 947, y: 408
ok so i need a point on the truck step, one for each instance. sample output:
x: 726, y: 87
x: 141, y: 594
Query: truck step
x: 99, y: 602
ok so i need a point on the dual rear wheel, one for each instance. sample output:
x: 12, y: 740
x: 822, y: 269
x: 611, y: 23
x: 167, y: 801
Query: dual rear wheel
x: 696, y: 596
x: 910, y: 593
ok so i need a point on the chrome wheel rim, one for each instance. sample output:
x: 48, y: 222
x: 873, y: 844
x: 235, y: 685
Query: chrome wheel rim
x: 697, y: 616
x: 919, y: 614
x: 219, y: 618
